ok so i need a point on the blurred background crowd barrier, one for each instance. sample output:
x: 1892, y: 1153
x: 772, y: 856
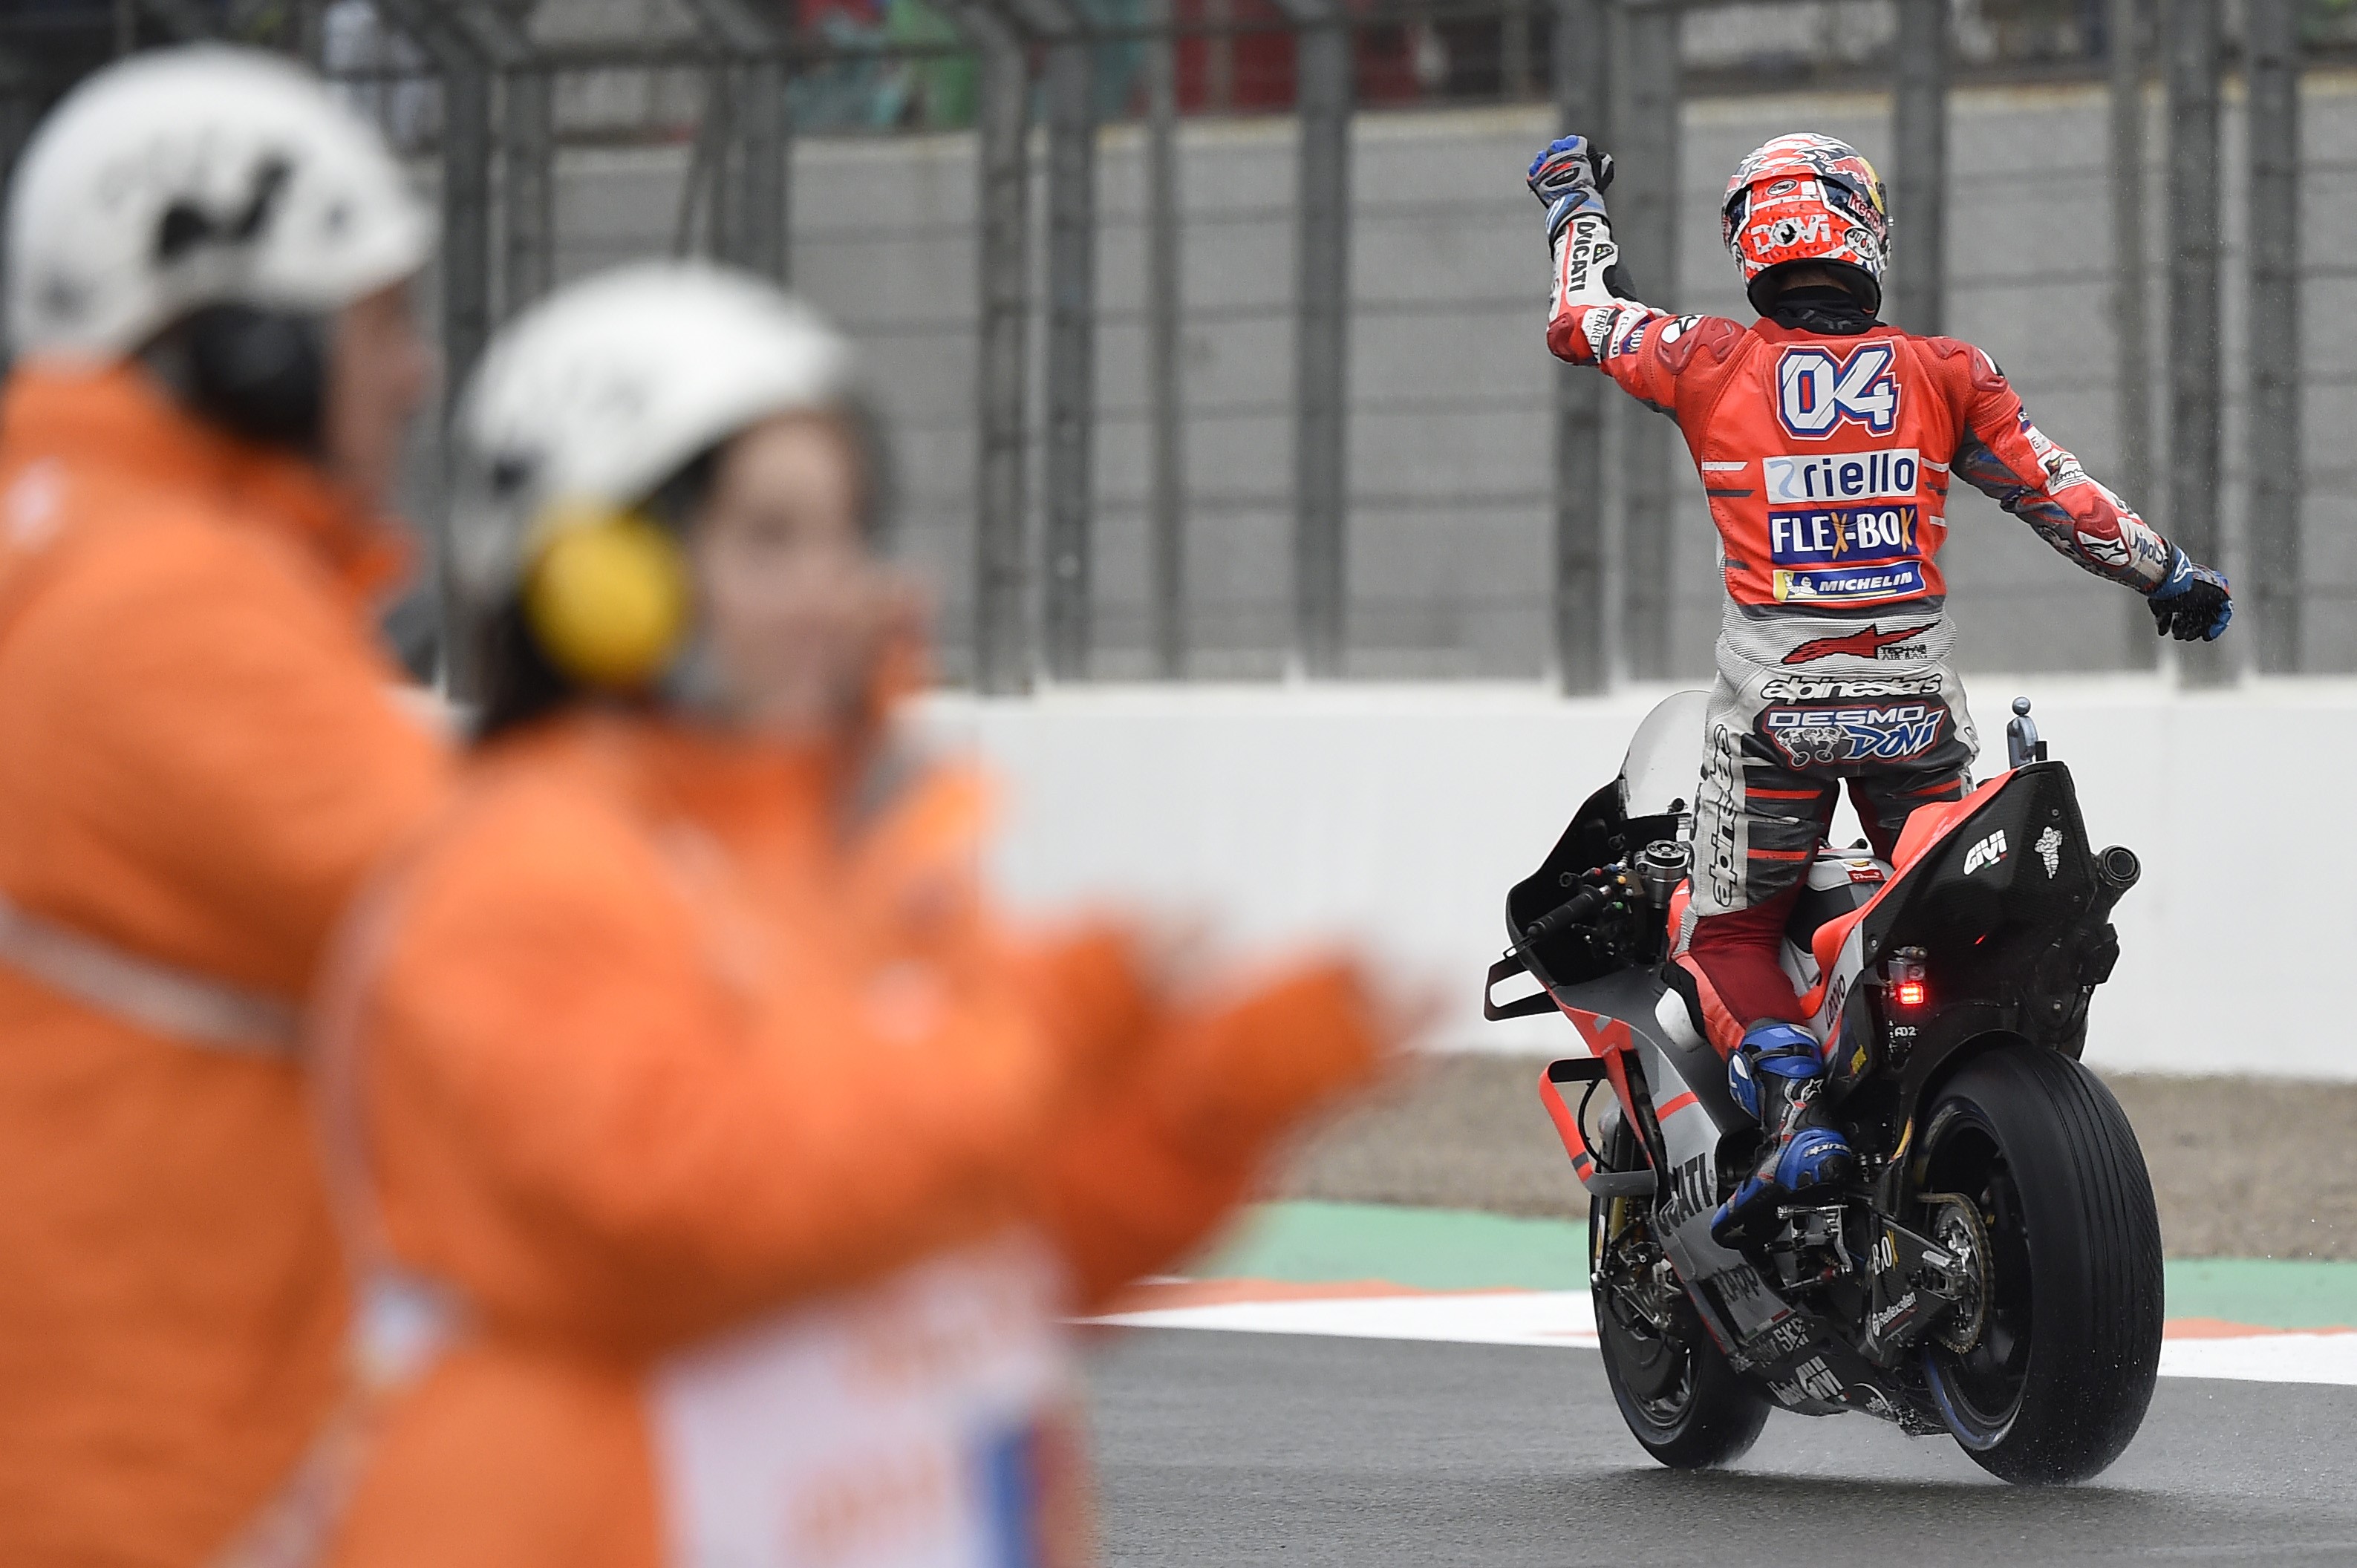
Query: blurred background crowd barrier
x: 1210, y: 329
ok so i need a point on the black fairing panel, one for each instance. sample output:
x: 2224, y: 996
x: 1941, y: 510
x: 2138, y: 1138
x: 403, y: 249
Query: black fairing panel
x: 1589, y: 842
x: 2006, y: 904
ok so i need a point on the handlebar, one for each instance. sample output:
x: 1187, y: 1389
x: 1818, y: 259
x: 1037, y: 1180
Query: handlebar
x: 1579, y: 908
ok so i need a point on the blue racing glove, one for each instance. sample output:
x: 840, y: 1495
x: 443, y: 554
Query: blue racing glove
x: 2192, y: 602
x: 1571, y: 176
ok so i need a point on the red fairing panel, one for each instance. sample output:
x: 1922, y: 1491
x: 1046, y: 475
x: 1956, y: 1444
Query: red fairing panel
x: 1566, y: 1127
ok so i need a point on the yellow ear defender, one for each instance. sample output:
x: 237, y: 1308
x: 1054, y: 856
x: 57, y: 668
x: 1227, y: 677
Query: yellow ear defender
x: 607, y: 596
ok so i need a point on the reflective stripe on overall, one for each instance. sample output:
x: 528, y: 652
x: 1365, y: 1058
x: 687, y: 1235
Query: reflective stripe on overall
x: 209, y: 1014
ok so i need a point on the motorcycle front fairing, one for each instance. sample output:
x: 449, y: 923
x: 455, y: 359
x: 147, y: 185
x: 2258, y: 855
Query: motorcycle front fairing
x: 1652, y: 799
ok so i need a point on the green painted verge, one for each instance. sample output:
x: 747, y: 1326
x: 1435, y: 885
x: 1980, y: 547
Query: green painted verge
x: 2271, y: 1293
x: 1452, y: 1249
x: 1430, y: 1249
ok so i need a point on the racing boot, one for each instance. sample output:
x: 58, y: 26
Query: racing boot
x: 1774, y: 1075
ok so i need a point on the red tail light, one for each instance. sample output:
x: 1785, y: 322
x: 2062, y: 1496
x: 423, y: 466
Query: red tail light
x: 1905, y: 973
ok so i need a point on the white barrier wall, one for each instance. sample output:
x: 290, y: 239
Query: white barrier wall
x: 1401, y: 815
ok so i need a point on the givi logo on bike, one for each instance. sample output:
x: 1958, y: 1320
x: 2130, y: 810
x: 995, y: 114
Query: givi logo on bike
x: 1988, y: 851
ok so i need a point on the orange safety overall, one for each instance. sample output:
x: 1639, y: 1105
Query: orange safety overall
x: 667, y: 1081
x: 201, y: 754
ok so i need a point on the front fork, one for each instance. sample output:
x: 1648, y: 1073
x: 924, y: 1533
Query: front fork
x: 1633, y: 1280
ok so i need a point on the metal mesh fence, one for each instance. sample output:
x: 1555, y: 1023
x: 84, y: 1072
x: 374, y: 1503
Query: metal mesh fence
x: 1211, y: 329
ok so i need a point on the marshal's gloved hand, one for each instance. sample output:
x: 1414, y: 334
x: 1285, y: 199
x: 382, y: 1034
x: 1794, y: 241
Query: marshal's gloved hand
x: 1570, y: 177
x: 2193, y: 602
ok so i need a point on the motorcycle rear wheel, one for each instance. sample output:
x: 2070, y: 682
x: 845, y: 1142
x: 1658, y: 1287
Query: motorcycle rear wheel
x: 1682, y: 1402
x: 2056, y: 1384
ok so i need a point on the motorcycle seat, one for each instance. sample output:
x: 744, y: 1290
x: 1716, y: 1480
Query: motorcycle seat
x: 1836, y: 883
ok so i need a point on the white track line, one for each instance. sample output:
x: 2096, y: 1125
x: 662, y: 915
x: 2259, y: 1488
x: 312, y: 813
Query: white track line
x: 2264, y: 1359
x: 1561, y: 1319
x: 1486, y: 1317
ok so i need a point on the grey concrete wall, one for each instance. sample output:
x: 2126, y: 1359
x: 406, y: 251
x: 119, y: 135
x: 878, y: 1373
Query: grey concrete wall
x: 1449, y: 457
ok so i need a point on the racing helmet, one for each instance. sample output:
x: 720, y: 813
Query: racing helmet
x: 1807, y: 198
x: 584, y: 411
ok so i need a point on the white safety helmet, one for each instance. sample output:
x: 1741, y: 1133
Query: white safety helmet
x: 195, y: 177
x: 586, y: 404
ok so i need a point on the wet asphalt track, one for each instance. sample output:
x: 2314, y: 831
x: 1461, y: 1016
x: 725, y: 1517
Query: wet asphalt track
x: 1221, y: 1448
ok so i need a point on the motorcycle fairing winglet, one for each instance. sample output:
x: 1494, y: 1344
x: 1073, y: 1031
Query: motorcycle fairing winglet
x: 1530, y: 1006
x: 1602, y: 1183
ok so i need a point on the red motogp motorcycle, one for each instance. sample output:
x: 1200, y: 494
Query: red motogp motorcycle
x: 1993, y: 1270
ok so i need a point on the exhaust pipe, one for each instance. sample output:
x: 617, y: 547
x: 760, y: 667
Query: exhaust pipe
x: 2116, y: 870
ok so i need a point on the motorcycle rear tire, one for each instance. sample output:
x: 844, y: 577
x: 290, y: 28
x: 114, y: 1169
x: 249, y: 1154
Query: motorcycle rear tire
x: 2075, y: 1255
x: 1721, y: 1413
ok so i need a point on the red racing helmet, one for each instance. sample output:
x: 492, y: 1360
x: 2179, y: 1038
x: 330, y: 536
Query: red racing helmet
x: 1807, y: 198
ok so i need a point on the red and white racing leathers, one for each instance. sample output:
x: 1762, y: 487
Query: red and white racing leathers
x: 1827, y: 458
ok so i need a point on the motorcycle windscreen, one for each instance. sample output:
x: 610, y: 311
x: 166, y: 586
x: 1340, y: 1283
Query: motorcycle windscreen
x: 1652, y: 799
x: 1663, y: 768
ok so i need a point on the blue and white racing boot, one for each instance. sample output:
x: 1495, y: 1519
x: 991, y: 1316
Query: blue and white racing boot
x: 1774, y: 1076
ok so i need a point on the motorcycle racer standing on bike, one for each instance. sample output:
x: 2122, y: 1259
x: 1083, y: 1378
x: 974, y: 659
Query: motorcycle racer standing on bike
x: 1826, y: 441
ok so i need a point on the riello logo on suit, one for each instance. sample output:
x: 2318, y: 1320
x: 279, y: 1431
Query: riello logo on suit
x: 1814, y: 478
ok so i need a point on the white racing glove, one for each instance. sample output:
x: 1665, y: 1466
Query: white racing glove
x: 1570, y: 178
